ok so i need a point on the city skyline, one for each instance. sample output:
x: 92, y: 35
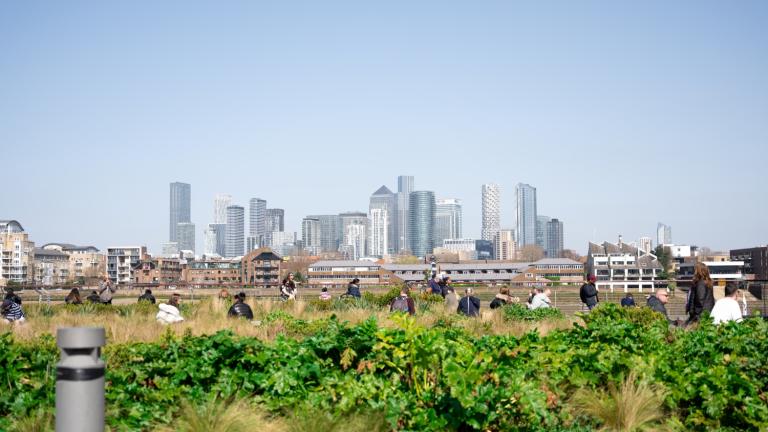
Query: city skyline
x: 600, y: 108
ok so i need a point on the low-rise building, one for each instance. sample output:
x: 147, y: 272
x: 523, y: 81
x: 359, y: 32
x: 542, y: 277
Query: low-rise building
x: 721, y: 272
x: 121, y: 261
x: 622, y: 267
x: 85, y: 262
x: 212, y: 272
x: 162, y: 271
x: 261, y: 267
x: 755, y: 261
x: 343, y: 271
x: 16, y: 253
x: 51, y: 267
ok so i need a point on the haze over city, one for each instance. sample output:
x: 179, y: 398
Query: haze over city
x: 621, y: 116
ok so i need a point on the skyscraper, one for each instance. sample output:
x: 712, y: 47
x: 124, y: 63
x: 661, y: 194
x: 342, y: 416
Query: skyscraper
x: 378, y: 232
x: 185, y: 235
x: 235, y: 238
x: 330, y: 231
x: 526, y: 215
x: 310, y: 233
x: 215, y: 239
x: 448, y: 215
x: 355, y: 229
x: 555, y: 238
x: 421, y: 222
x: 504, y: 245
x: 384, y: 199
x: 220, y: 204
x: 258, y: 220
x: 181, y: 203
x: 663, y: 234
x: 645, y: 244
x: 404, y: 189
x: 541, y: 231
x: 275, y: 220
x: 491, y: 202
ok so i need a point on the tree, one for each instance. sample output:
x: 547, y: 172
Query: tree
x: 406, y: 259
x: 531, y: 253
x: 571, y: 254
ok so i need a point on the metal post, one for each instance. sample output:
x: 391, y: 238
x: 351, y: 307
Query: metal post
x: 80, y: 380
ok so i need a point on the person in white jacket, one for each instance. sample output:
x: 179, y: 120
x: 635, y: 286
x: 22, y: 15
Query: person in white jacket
x: 727, y: 308
x: 169, y: 313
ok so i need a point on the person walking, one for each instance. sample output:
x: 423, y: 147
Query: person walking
x: 727, y: 308
x: 147, y: 296
x: 73, y: 297
x: 701, y: 297
x: 588, y: 292
x: 105, y: 291
x: 469, y: 305
x: 240, y: 309
x: 403, y: 303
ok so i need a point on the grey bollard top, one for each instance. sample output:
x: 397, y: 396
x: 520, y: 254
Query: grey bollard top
x: 80, y: 380
x: 80, y: 337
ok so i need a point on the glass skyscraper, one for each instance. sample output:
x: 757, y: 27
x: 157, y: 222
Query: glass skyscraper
x: 258, y: 220
x: 384, y: 201
x: 448, y: 217
x: 235, y: 238
x: 526, y: 215
x: 491, y: 202
x: 555, y: 239
x: 181, y: 203
x: 421, y: 222
x: 400, y: 226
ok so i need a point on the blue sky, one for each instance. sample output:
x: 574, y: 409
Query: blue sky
x: 621, y: 114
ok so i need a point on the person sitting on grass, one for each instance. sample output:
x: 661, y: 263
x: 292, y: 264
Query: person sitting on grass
x: 11, y: 312
x: 541, y: 299
x: 469, y: 305
x: 10, y: 295
x: 403, y: 303
x: 93, y: 297
x: 353, y: 288
x: 73, y: 297
x: 628, y: 301
x: 501, y: 298
x: 147, y: 296
x: 169, y: 313
x: 324, y: 294
x: 240, y: 309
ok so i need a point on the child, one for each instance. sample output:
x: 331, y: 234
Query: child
x: 324, y: 294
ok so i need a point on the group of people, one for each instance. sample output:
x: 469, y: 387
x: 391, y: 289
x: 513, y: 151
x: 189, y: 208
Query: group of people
x: 10, y: 310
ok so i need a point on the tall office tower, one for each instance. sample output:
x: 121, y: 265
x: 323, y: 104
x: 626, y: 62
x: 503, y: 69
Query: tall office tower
x: 541, y: 231
x: 448, y: 217
x: 258, y: 220
x: 220, y: 204
x: 421, y: 222
x: 235, y: 238
x: 645, y: 244
x: 555, y: 237
x: 354, y: 226
x: 526, y: 215
x: 378, y: 232
x: 330, y: 231
x: 404, y: 189
x: 310, y: 233
x: 181, y: 203
x: 504, y: 245
x: 663, y: 234
x: 385, y: 200
x: 275, y: 220
x: 215, y: 239
x: 185, y: 236
x: 491, y: 211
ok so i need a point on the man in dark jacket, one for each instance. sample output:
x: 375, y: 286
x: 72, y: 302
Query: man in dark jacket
x: 588, y: 292
x: 94, y: 297
x: 435, y: 286
x: 657, y: 302
x: 628, y: 301
x: 240, y: 308
x: 147, y: 296
x: 469, y: 305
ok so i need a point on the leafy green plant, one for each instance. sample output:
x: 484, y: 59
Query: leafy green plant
x: 517, y: 312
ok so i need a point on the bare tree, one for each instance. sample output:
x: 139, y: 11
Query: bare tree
x: 572, y: 254
x: 531, y: 253
x: 406, y: 259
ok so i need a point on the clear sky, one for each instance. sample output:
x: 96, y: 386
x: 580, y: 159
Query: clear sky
x: 622, y: 114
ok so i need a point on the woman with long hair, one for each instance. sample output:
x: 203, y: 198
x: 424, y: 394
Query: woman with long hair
x: 700, y: 296
x: 73, y: 297
x: 288, y: 288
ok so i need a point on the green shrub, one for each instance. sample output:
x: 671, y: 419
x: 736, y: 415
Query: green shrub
x: 518, y: 312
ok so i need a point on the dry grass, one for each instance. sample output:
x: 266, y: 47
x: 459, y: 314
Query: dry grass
x: 210, y: 316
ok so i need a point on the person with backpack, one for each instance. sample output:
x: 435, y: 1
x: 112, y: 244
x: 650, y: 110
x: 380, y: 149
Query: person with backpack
x: 469, y: 305
x: 240, y: 309
x: 403, y: 303
x: 588, y: 292
x: 147, y: 296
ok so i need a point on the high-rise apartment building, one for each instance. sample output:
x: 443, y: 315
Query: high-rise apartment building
x: 504, y: 245
x: 330, y: 231
x: 235, y: 232
x: 421, y: 222
x: 310, y: 233
x: 220, y: 204
x: 448, y: 215
x: 663, y: 234
x: 181, y: 207
x: 258, y: 220
x: 185, y: 236
x: 645, y: 244
x: 526, y: 214
x: 404, y: 189
x: 491, y: 208
x: 384, y: 199
x: 275, y: 220
x: 16, y: 253
x: 216, y: 239
x: 555, y: 239
x: 378, y: 232
x: 541, y: 231
x: 355, y: 229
